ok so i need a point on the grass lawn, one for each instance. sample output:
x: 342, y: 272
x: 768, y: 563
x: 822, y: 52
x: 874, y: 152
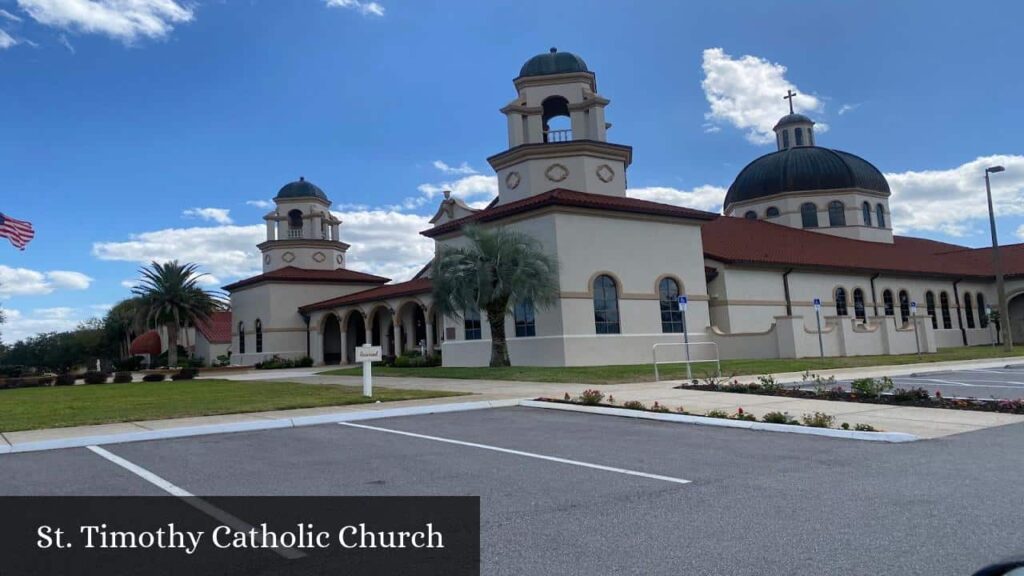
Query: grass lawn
x: 53, y: 407
x: 645, y: 373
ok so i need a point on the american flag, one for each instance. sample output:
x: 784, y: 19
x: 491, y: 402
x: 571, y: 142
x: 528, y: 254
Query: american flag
x: 19, y: 232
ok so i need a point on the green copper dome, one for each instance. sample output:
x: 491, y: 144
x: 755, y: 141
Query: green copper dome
x: 301, y: 189
x: 553, y: 62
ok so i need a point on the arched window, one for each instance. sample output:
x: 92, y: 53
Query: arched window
x: 526, y: 324
x: 241, y: 338
x: 968, y: 310
x: 866, y: 209
x: 295, y: 224
x: 557, y: 127
x: 904, y: 307
x: 259, y: 336
x: 668, y: 296
x: 947, y: 322
x: 750, y: 215
x: 888, y: 302
x: 836, y: 213
x: 810, y: 136
x: 772, y: 212
x: 606, y: 306
x: 785, y: 139
x: 858, y: 304
x: 929, y: 303
x: 809, y: 215
x: 799, y: 133
x: 982, y: 313
x: 471, y: 324
x: 841, y: 302
x: 880, y: 215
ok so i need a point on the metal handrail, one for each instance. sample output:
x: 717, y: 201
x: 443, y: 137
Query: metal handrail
x: 688, y: 361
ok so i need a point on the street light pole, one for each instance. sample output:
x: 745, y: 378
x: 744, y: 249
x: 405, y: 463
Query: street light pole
x: 997, y: 265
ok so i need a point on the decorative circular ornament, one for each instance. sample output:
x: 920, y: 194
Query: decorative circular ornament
x: 339, y: 259
x: 556, y: 173
x: 319, y: 256
x: 288, y: 257
x: 266, y: 258
x: 605, y: 173
x: 512, y: 180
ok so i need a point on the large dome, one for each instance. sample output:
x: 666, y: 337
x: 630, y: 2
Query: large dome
x: 804, y: 168
x: 301, y: 189
x: 553, y: 62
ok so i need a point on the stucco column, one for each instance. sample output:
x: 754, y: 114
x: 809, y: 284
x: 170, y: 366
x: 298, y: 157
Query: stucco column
x: 430, y: 338
x: 344, y: 344
x: 282, y: 231
x: 410, y: 332
x: 270, y: 230
x: 317, y: 226
x: 334, y: 232
x: 369, y: 333
x: 397, y: 336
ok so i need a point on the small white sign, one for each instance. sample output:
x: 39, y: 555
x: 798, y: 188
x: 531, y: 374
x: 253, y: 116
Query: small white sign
x: 913, y: 308
x: 817, y: 304
x: 369, y: 353
x: 682, y: 303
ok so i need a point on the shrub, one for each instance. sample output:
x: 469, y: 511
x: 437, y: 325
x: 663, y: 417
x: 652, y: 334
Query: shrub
x: 741, y: 415
x: 659, y: 407
x: 633, y: 405
x: 819, y: 420
x: 845, y: 425
x: 154, y: 377
x: 871, y: 387
x: 591, y: 397
x: 864, y: 428
x: 821, y: 385
x: 778, y: 418
x: 1012, y: 406
x: 26, y: 382
x: 12, y: 371
x: 911, y: 395
x: 304, y: 362
x: 224, y: 359
x: 65, y: 379
x: 122, y: 377
x: 95, y: 377
x: 768, y: 384
x: 128, y: 364
x: 716, y: 413
x: 185, y: 374
x: 681, y: 410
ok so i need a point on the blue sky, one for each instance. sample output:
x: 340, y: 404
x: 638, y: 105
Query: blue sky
x: 155, y: 128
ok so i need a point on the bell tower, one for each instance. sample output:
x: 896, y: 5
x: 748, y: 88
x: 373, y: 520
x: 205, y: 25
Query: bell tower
x: 557, y: 133
x: 301, y: 231
x: 793, y: 130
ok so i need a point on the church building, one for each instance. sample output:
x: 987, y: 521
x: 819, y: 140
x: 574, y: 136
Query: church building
x: 801, y: 226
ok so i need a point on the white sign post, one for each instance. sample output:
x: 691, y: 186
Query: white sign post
x: 817, y: 314
x: 988, y: 316
x: 913, y: 316
x: 368, y: 354
x: 683, y: 300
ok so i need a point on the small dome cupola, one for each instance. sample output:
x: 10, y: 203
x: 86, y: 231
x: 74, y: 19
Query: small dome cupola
x: 793, y: 130
x: 553, y: 62
x: 301, y: 188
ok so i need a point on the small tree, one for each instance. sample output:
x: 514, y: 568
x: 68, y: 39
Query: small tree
x: 497, y: 269
x: 170, y: 296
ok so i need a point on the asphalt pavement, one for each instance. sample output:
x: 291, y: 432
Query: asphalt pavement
x: 1005, y: 383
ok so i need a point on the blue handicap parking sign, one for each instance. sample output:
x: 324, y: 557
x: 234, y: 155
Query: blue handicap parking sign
x: 817, y: 303
x: 682, y: 303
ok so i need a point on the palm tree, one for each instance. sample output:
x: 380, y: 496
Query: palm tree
x: 169, y: 295
x: 121, y: 324
x: 497, y: 269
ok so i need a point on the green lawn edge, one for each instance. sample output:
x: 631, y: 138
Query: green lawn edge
x: 59, y: 407
x: 645, y: 372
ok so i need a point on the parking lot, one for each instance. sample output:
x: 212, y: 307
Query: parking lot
x: 566, y: 493
x: 1001, y: 383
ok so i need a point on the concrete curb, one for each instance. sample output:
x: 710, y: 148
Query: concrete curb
x: 893, y: 437
x: 187, y: 431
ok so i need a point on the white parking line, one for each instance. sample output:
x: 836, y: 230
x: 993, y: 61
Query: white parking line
x: 521, y: 453
x: 189, y: 498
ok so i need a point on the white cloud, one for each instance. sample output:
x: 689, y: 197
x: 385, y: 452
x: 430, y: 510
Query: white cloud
x: 463, y: 168
x: 218, y: 215
x: 747, y: 92
x: 7, y: 15
x: 953, y: 201
x: 847, y: 108
x: 386, y: 242
x: 27, y: 282
x: 363, y: 7
x: 124, y: 20
x: 6, y: 40
x: 265, y: 204
x: 702, y: 197
x: 63, y: 39
x: 473, y: 188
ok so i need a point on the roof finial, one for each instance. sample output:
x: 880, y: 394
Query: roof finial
x: 789, y: 96
x: 302, y: 178
x: 553, y: 49
x: 447, y: 194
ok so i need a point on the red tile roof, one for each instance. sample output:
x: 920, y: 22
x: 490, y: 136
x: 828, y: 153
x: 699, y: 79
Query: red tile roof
x: 218, y: 329
x: 738, y: 240
x: 417, y: 286
x: 574, y: 199
x: 292, y: 274
x: 146, y: 343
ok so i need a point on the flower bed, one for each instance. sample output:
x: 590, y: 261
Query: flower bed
x: 865, y: 390
x: 594, y: 397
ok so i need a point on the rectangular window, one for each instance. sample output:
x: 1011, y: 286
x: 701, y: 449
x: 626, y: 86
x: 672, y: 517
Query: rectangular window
x: 526, y: 324
x: 472, y: 325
